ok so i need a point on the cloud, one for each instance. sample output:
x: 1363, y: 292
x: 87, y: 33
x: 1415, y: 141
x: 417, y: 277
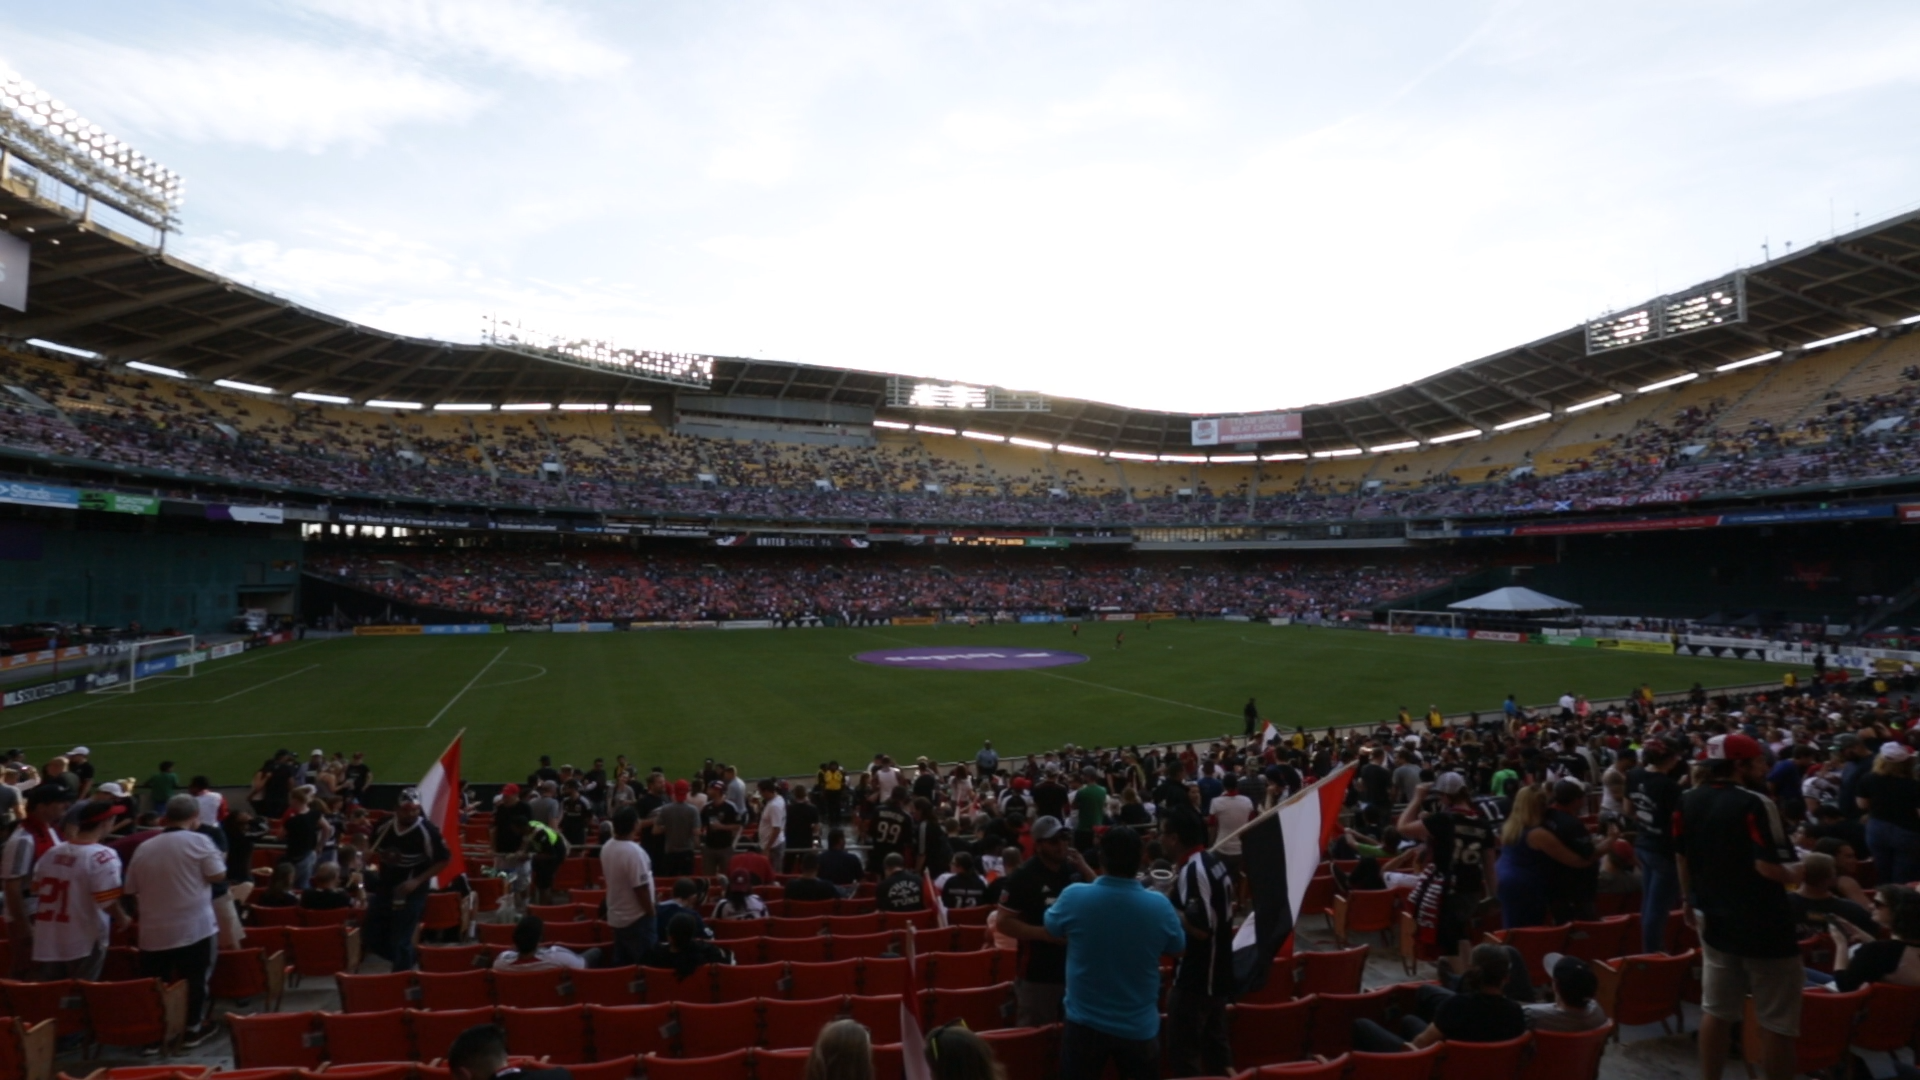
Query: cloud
x: 251, y: 91
x: 1124, y: 99
x: 538, y: 38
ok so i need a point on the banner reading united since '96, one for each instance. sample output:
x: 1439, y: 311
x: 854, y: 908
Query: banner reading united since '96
x: 1257, y: 427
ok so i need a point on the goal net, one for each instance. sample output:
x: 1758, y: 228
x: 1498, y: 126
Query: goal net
x: 1444, y: 623
x: 141, y: 662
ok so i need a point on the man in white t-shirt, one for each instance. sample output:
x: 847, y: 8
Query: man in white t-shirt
x: 773, y: 826
x: 213, y: 805
x: 78, y: 888
x: 1229, y: 812
x: 171, y: 877
x: 630, y: 901
x: 528, y: 954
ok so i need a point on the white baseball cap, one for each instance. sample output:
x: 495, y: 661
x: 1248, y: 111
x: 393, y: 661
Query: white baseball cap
x: 79, y: 751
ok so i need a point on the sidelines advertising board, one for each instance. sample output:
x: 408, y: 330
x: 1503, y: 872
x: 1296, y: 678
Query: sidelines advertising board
x: 1497, y: 635
x: 1258, y: 427
x: 461, y: 628
x: 1620, y: 645
x: 1909, y: 514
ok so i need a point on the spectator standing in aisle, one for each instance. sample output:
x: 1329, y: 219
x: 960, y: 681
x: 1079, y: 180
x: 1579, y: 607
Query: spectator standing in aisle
x: 1116, y: 931
x: 172, y: 877
x: 678, y: 823
x: 773, y: 826
x: 1653, y: 797
x: 1029, y: 892
x: 410, y: 851
x: 986, y: 763
x: 40, y: 833
x: 630, y: 899
x: 79, y: 883
x: 1197, y: 1043
x: 1736, y: 861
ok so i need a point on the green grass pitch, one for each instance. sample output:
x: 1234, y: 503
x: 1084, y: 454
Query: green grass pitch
x: 782, y: 701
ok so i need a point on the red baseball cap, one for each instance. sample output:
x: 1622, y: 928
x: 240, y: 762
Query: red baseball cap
x: 1735, y: 747
x: 510, y: 789
x: 680, y: 790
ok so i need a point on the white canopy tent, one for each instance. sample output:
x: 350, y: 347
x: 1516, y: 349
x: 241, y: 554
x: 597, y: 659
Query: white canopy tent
x: 1514, y: 600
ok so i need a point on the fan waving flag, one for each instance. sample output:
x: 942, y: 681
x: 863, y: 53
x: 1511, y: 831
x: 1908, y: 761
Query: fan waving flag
x: 440, y: 804
x: 1268, y: 733
x: 1280, y: 850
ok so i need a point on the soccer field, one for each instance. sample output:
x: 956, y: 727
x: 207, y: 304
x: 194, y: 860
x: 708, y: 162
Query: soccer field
x: 782, y: 701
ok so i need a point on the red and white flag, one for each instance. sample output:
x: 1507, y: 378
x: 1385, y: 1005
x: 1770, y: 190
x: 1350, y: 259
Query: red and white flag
x: 933, y: 897
x: 440, y: 804
x: 1280, y: 850
x: 913, y: 1044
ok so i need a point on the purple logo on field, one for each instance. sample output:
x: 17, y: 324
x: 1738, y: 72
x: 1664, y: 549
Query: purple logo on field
x: 971, y: 658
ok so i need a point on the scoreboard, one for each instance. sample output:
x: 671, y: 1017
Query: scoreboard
x: 1724, y: 301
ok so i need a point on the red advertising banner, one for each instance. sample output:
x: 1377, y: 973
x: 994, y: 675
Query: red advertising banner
x: 1259, y: 427
x: 1699, y: 521
x: 1908, y: 513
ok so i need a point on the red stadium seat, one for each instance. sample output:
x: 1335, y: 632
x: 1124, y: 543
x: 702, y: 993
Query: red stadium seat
x: 881, y: 1015
x: 546, y: 1033
x: 1601, y: 939
x: 1302, y: 1070
x: 829, y: 979
x: 1827, y: 1022
x: 1334, y: 1014
x: 608, y: 986
x: 276, y: 1040
x: 537, y: 989
x: 1270, y: 1034
x: 608, y: 1069
x: 1407, y: 1065
x: 435, y: 1029
x: 739, y: 982
x: 373, y: 993
x: 355, y: 1038
x: 813, y: 950
x: 240, y: 975
x: 1336, y: 972
x: 665, y: 984
x: 706, y: 1030
x: 1364, y: 911
x: 797, y: 1023
x: 718, y: 1067
x: 983, y: 1008
x: 1644, y: 989
x: 1891, y: 1020
x: 1567, y: 1055
x: 455, y: 990
x: 1482, y: 1061
x: 781, y: 1064
x: 58, y: 1000
x: 1534, y: 943
x: 320, y: 952
x: 960, y: 970
x: 138, y: 1012
x: 1030, y: 1053
x: 621, y: 1030
x: 447, y: 958
x: 883, y: 975
x: 849, y: 946
x: 797, y: 928
x: 868, y: 922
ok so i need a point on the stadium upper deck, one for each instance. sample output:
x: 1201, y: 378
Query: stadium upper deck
x: 1811, y: 389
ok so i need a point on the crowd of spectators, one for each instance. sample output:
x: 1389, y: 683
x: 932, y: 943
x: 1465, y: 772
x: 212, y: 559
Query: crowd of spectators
x: 122, y: 418
x: 1769, y: 819
x: 603, y: 584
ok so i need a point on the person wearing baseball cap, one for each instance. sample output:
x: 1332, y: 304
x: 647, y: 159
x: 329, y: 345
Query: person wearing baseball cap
x: 1573, y: 1007
x: 83, y: 877
x: 1653, y: 797
x: 1736, y: 861
x: 1892, y: 798
x: 1458, y: 838
x: 409, y: 850
x: 80, y: 765
x: 1040, y: 985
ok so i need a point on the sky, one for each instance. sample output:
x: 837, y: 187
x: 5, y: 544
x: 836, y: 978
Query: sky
x: 1208, y: 207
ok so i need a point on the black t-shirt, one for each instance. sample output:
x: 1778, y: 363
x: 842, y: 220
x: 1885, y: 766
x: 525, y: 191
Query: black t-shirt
x: 1723, y: 830
x: 1030, y: 891
x: 1655, y: 798
x: 576, y: 813
x: 902, y: 891
x: 1050, y: 799
x: 1872, y: 962
x: 803, y: 821
x: 1459, y: 841
x: 1816, y: 916
x: 359, y: 774
x: 506, y: 822
x: 960, y: 890
x: 892, y: 831
x: 1169, y: 795
x: 279, y: 783
x: 1569, y: 883
x: 931, y: 840
x: 325, y: 899
x: 403, y: 855
x: 303, y: 834
x: 840, y: 866
x: 722, y: 822
x: 1480, y: 1018
x: 1892, y: 799
x: 811, y: 888
x: 1376, y: 784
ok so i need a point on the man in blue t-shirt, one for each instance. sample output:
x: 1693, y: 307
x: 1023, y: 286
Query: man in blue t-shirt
x: 1116, y: 932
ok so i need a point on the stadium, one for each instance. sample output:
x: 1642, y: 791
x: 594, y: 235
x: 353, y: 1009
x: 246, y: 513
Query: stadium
x: 233, y: 526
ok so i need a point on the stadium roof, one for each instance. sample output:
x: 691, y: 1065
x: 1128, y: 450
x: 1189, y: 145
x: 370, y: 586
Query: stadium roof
x: 95, y: 290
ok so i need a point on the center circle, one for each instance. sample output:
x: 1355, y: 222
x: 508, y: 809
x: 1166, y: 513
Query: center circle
x: 970, y: 658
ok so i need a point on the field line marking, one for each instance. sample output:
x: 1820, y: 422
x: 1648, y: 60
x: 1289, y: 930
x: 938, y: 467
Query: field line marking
x: 463, y: 690
x: 56, y: 712
x: 254, y: 687
x: 539, y: 673
x: 1135, y: 693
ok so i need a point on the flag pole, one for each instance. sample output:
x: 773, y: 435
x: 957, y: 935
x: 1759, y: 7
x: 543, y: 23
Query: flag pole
x: 449, y: 746
x: 1284, y: 803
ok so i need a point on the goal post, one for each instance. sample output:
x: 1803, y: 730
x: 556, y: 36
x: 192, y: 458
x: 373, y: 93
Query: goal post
x: 1409, y: 621
x: 141, y: 662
